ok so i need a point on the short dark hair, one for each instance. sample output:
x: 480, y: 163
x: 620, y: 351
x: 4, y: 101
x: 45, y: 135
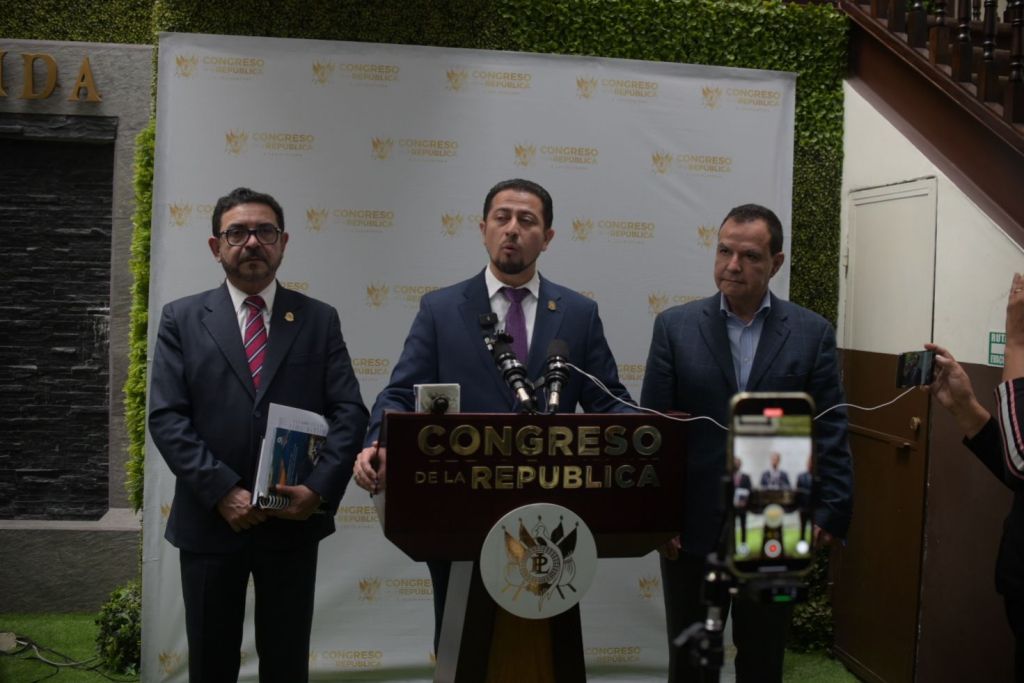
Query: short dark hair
x: 243, y: 195
x: 520, y: 185
x: 747, y: 213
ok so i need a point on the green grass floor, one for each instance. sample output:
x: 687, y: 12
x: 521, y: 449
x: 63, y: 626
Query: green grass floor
x: 74, y: 635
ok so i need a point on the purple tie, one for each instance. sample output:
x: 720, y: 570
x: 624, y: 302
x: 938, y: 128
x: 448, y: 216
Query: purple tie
x: 515, y: 321
x: 254, y: 336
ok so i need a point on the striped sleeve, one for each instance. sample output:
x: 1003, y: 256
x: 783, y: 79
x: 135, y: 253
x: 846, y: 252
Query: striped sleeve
x: 1010, y: 406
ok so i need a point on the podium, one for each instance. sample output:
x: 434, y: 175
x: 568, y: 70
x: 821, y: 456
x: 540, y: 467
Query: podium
x: 451, y: 477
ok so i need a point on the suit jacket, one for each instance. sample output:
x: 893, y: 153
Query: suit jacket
x: 766, y: 480
x: 445, y: 344
x: 207, y: 419
x: 690, y: 368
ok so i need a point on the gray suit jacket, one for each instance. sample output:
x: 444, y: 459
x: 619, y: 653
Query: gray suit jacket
x: 690, y: 369
x: 207, y: 419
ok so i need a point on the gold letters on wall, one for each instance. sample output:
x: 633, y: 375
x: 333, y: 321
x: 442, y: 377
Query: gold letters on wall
x: 83, y: 88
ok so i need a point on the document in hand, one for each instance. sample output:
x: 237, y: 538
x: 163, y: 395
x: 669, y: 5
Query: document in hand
x: 290, y: 450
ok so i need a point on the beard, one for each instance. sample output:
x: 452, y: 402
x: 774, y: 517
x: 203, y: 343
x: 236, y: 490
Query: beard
x: 513, y: 266
x: 252, y: 268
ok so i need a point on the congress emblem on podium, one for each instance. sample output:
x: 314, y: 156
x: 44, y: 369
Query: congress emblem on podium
x: 538, y: 560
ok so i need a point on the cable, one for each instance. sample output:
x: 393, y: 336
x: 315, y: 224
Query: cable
x: 851, y: 405
x: 634, y: 406
x: 92, y: 664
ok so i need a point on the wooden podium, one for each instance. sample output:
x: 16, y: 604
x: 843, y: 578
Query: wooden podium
x: 451, y: 477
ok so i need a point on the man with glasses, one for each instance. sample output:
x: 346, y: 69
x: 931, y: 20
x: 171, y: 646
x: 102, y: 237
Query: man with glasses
x: 221, y: 357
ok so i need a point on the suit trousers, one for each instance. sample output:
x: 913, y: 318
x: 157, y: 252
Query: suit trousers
x: 1015, y: 615
x: 214, y: 589
x: 759, y: 630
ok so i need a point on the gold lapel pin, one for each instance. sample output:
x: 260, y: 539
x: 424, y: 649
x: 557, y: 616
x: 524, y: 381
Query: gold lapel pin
x: 289, y: 316
x: 552, y: 306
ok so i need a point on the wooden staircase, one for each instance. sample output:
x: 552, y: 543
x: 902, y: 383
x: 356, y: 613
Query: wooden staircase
x: 955, y: 75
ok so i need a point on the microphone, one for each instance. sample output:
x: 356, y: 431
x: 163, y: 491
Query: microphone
x: 556, y: 372
x: 513, y: 372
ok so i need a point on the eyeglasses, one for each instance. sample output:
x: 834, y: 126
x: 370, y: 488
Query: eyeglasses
x: 236, y: 237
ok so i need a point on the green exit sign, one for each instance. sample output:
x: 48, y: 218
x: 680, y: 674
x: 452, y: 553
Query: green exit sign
x: 996, y: 348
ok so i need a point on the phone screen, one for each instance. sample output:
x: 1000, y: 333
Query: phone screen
x: 915, y: 368
x: 772, y: 469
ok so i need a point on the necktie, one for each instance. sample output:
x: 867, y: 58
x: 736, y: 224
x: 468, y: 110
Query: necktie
x: 254, y: 336
x: 515, y: 321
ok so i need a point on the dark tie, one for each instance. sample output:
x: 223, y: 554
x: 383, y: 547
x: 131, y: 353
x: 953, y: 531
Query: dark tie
x: 515, y: 321
x: 254, y: 336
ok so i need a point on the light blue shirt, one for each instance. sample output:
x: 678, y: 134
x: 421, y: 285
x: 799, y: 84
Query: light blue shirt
x: 744, y: 337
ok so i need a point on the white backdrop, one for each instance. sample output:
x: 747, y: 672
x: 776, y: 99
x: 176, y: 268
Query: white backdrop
x: 381, y: 156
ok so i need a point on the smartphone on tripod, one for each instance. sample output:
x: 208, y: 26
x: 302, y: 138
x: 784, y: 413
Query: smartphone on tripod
x: 770, y: 461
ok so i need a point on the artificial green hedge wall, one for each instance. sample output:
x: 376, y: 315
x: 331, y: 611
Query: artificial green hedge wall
x: 95, y: 21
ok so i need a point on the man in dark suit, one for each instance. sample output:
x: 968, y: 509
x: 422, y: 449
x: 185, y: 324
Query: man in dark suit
x: 743, y: 338
x: 774, y: 478
x: 445, y: 343
x: 221, y: 357
x: 741, y: 486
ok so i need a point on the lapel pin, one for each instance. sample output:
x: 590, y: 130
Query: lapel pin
x: 552, y: 306
x: 289, y: 316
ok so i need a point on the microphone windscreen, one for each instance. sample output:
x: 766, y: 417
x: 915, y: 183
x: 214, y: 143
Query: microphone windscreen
x: 558, y: 347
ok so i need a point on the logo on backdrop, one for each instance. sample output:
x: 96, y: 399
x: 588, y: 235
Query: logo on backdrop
x: 371, y: 367
x: 416, y: 149
x: 581, y: 229
x: 357, y: 515
x: 185, y: 65
x: 236, y: 142
x: 354, y: 73
x: 382, y: 148
x: 750, y: 99
x: 181, y: 214
x: 706, y: 235
x: 322, y: 72
x: 171, y: 661
x: 274, y: 143
x: 538, y: 560
x: 228, y: 67
x: 451, y: 224
x: 525, y: 155
x: 711, y: 96
x: 614, y: 229
x: 621, y: 654
x: 711, y: 165
x: 295, y: 286
x: 631, y: 372
x: 350, y: 218
x: 378, y: 294
x: 649, y: 586
x: 352, y: 660
x: 369, y: 588
x: 623, y: 89
x: 585, y: 87
x: 316, y: 219
x: 464, y: 79
x: 376, y: 588
x: 556, y: 156
x: 659, y: 301
x: 456, y: 79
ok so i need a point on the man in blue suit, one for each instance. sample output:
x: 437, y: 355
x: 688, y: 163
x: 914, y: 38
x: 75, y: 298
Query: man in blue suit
x: 743, y: 338
x: 221, y: 357
x: 445, y: 343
